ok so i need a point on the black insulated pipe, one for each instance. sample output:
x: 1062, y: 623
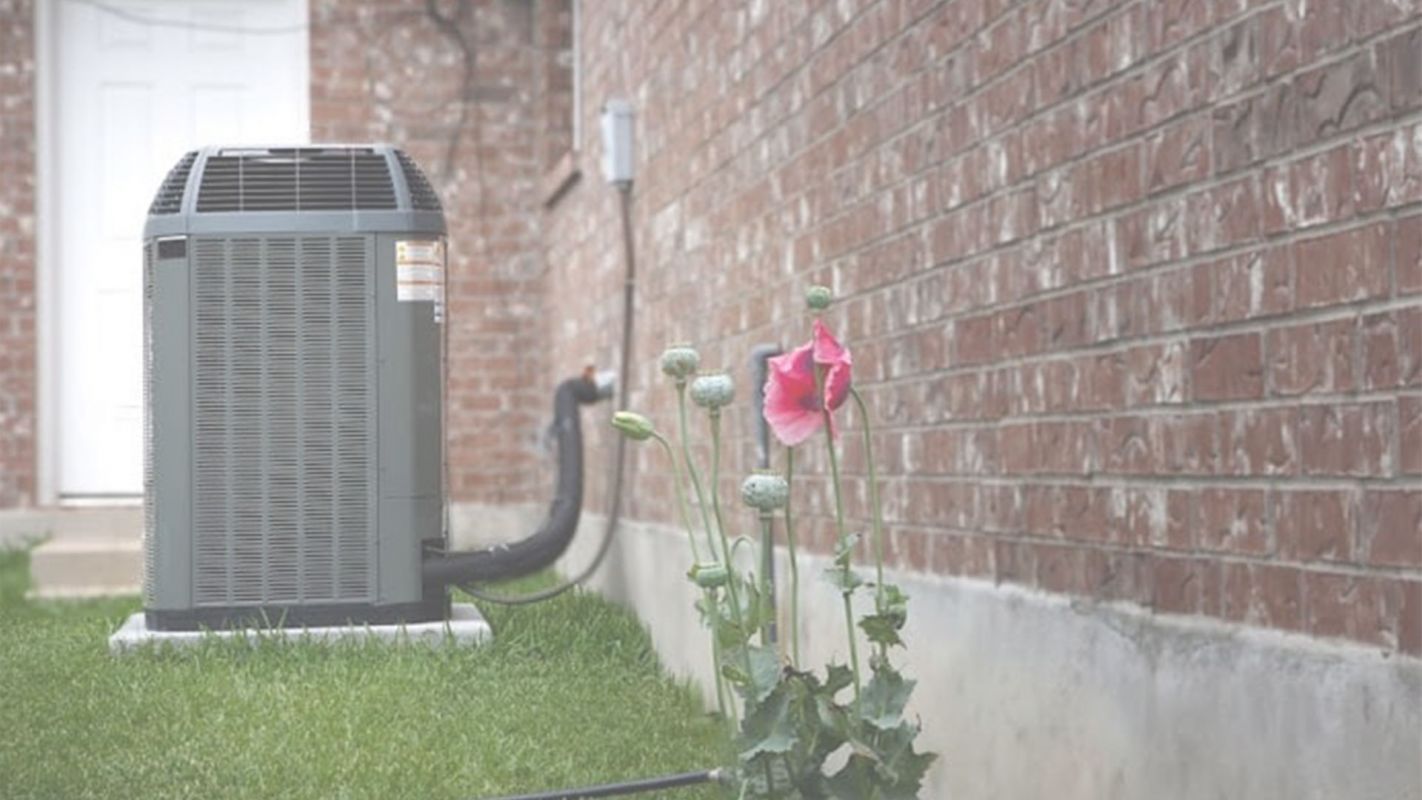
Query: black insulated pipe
x: 627, y: 787
x: 544, y: 546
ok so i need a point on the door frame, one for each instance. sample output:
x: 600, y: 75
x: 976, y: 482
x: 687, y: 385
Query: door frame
x: 46, y: 265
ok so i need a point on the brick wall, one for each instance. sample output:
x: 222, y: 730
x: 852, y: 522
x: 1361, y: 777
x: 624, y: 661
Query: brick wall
x: 461, y: 87
x: 1135, y: 287
x: 17, y: 254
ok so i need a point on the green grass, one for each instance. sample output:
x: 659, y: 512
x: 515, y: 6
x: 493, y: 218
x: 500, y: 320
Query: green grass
x: 569, y: 693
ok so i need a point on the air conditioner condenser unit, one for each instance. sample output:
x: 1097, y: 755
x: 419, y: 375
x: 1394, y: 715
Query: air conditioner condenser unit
x: 293, y: 329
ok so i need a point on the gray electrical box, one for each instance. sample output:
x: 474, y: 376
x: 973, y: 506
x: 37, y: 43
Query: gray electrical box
x: 293, y: 326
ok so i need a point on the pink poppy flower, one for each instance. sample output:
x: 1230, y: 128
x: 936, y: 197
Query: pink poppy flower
x: 794, y: 409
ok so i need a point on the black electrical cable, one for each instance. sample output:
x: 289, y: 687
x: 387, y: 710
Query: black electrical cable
x: 626, y: 787
x: 624, y: 373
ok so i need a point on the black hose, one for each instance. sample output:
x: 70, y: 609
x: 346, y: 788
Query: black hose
x: 624, y: 379
x: 626, y: 787
x: 538, y: 551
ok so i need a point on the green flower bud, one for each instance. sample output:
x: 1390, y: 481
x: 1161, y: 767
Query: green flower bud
x: 818, y: 297
x: 680, y: 361
x: 713, y: 391
x: 765, y: 491
x: 709, y: 576
x: 633, y: 425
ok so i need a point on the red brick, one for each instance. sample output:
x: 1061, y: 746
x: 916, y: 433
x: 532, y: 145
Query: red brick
x: 1314, y: 524
x: 1347, y: 439
x: 1262, y: 594
x: 1391, y: 530
x: 1310, y: 191
x: 1409, y: 255
x: 1227, y: 367
x: 1178, y: 154
x: 1232, y: 521
x: 1316, y: 357
x: 1178, y: 586
x: 1343, y: 267
x: 1366, y: 609
x: 1409, y: 440
x: 1409, y: 616
x: 1392, y: 349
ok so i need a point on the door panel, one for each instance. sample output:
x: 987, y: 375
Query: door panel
x: 131, y: 98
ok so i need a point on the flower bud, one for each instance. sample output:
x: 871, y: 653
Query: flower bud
x: 765, y: 491
x: 680, y: 361
x: 709, y: 576
x: 818, y: 297
x: 633, y: 425
x: 713, y: 391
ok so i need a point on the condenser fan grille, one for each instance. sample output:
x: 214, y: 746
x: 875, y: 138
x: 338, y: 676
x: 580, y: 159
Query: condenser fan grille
x: 296, y: 179
x: 422, y: 194
x: 283, y: 421
x: 169, y: 199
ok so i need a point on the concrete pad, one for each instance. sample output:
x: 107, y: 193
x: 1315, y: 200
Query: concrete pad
x: 465, y: 626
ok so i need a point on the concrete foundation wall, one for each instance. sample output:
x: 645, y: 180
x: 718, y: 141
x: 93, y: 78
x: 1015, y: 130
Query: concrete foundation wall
x: 1031, y: 695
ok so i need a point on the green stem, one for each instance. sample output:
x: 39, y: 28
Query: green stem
x: 767, y: 557
x: 731, y: 577
x: 680, y: 498
x: 878, y: 512
x: 794, y: 562
x: 834, y: 475
x: 716, y: 514
x: 843, y: 538
x: 853, y: 647
x: 710, y: 599
x: 723, y: 700
x: 691, y: 466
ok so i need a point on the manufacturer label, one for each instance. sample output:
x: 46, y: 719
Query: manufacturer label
x: 419, y: 273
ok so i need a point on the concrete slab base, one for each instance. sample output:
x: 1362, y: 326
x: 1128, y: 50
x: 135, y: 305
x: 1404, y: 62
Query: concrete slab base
x: 465, y: 626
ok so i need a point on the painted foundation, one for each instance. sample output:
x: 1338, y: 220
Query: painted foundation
x: 1028, y: 695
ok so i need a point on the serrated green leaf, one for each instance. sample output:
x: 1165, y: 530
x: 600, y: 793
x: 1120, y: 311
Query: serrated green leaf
x: 764, y: 675
x: 894, y: 598
x: 844, y: 549
x: 883, y: 628
x: 882, y: 702
x: 837, y: 677
x: 845, y: 580
x: 854, y: 780
x: 768, y: 727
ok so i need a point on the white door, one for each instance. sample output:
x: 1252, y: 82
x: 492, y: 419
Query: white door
x: 136, y: 85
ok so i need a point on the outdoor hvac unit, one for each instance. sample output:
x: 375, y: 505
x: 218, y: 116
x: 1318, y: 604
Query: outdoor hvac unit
x: 293, y: 303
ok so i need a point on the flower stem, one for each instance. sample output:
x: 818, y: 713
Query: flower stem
x: 767, y: 558
x: 732, y: 579
x: 853, y: 647
x: 716, y: 513
x: 727, y: 712
x: 843, y: 540
x: 724, y: 702
x: 794, y: 562
x: 691, y: 467
x: 878, y: 511
x: 680, y: 498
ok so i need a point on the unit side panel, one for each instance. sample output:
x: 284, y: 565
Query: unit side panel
x: 168, y: 489
x: 411, y: 411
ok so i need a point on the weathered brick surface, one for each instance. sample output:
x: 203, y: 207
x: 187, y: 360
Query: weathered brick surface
x: 17, y: 254
x: 1134, y: 286
x: 461, y: 86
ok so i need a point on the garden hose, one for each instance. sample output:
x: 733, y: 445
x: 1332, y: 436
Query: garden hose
x: 626, y: 787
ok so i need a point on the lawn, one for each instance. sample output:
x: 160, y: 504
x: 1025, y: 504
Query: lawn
x: 569, y: 693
